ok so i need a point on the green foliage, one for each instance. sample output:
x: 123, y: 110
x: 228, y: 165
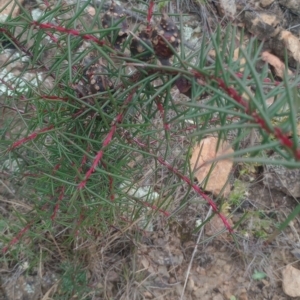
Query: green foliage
x: 238, y: 193
x: 73, y: 282
x: 259, y: 275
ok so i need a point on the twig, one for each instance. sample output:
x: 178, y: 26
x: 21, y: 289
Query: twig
x: 193, y: 255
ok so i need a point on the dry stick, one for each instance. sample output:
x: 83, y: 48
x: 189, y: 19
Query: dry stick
x: 194, y: 253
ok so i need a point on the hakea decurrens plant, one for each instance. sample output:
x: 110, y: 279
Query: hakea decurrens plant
x: 160, y: 41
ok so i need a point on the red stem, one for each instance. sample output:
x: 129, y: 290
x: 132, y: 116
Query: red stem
x: 29, y: 138
x: 75, y: 32
x: 17, y: 237
x: 189, y: 182
x: 276, y: 131
x: 198, y: 191
x: 106, y: 142
x: 149, y: 15
x: 60, y: 197
x: 162, y: 114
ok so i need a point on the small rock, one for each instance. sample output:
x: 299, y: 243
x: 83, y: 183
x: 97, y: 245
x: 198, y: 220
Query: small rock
x: 179, y: 289
x: 261, y: 24
x: 293, y: 5
x: 148, y: 295
x: 201, y: 291
x: 227, y: 268
x: 163, y: 258
x: 296, y: 253
x: 243, y: 295
x: 201, y: 271
x: 265, y: 293
x: 265, y: 282
x: 218, y: 297
x: 264, y: 3
x: 191, y: 285
x: 282, y: 179
x: 113, y: 276
x: 291, y: 281
x: 162, y: 270
x: 226, y: 8
x: 23, y: 287
x: 172, y: 280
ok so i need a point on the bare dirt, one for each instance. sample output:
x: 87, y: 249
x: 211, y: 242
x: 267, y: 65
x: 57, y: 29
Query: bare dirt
x: 173, y: 262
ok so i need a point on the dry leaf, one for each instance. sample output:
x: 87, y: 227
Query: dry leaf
x: 202, y: 160
x: 291, y: 281
x: 8, y: 9
x: 274, y: 61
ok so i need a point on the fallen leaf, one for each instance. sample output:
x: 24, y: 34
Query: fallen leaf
x: 291, y: 281
x: 10, y: 7
x: 204, y: 156
x: 276, y: 63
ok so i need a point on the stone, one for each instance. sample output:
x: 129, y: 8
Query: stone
x: 23, y: 287
x: 291, y: 281
x: 226, y: 8
x: 282, y: 179
x: 218, y: 297
x: 293, y: 5
x: 264, y: 3
x: 264, y: 25
x: 164, y: 258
